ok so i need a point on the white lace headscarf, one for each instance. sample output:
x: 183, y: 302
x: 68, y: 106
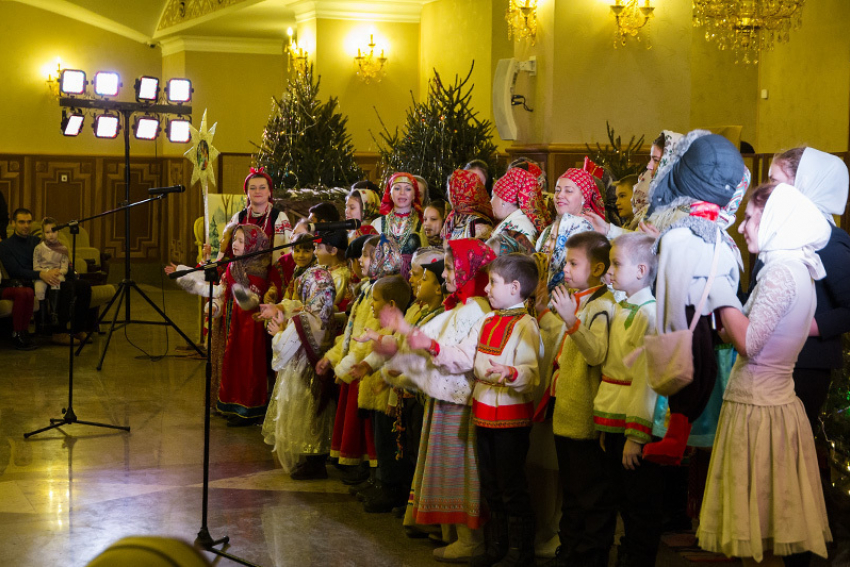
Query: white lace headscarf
x: 823, y: 178
x: 792, y: 225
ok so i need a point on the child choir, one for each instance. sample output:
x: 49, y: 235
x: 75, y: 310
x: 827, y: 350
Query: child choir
x: 418, y: 353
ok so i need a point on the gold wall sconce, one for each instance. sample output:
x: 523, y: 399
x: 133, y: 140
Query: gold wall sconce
x: 522, y: 20
x: 297, y: 56
x: 53, y: 78
x: 369, y: 66
x: 631, y: 16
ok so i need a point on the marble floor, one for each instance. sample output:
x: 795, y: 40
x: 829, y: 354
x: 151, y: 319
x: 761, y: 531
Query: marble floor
x: 68, y: 493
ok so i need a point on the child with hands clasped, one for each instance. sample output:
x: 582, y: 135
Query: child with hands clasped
x: 586, y: 307
x: 503, y: 351
x: 624, y: 406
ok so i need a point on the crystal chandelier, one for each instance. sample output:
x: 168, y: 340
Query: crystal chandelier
x: 370, y: 67
x: 748, y: 26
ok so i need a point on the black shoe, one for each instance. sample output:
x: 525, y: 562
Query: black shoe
x: 236, y: 421
x: 22, y: 341
x: 384, y: 501
x: 370, y: 492
x: 521, y: 532
x: 365, y: 485
x: 311, y: 469
x: 495, y: 541
x: 356, y: 474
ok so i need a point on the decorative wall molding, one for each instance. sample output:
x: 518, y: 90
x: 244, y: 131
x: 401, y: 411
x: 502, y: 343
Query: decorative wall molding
x: 178, y: 12
x: 399, y: 11
x: 210, y: 44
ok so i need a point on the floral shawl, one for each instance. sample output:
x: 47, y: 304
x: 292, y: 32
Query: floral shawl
x: 470, y: 256
x: 468, y: 198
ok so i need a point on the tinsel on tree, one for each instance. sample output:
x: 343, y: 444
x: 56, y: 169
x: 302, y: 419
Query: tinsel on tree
x: 439, y: 135
x: 306, y: 148
x: 619, y: 161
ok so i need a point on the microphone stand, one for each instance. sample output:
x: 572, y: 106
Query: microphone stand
x: 68, y: 415
x: 204, y: 540
x: 123, y: 291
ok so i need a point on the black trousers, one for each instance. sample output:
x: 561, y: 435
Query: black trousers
x: 81, y: 293
x: 692, y: 399
x: 501, y: 465
x: 391, y: 471
x: 638, y: 496
x: 413, y: 414
x: 588, y: 517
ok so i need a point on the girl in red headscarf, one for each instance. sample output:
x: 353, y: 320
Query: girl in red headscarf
x: 472, y: 214
x: 518, y: 202
x: 242, y: 394
x: 446, y: 485
x: 401, y: 208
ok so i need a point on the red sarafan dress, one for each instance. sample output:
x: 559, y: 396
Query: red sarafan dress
x: 244, y: 385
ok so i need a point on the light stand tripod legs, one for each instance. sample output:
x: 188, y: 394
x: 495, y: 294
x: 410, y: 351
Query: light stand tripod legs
x: 68, y: 415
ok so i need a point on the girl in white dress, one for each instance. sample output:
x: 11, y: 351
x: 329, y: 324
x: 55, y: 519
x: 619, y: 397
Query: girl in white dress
x: 763, y: 498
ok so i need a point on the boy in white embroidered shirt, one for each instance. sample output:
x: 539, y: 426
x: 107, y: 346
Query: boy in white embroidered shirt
x: 503, y: 350
x: 624, y: 406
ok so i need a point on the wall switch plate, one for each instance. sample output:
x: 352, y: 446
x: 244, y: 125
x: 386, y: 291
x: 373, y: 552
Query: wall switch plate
x: 764, y: 94
x: 63, y: 178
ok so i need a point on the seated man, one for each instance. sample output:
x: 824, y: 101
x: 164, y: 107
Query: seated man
x: 16, y: 255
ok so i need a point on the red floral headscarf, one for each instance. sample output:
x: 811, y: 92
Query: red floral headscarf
x: 590, y: 191
x: 387, y: 200
x: 521, y: 187
x: 468, y: 196
x: 258, y: 172
x: 258, y: 266
x: 470, y: 256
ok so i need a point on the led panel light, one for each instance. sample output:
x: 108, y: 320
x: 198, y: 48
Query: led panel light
x: 106, y: 83
x: 178, y: 131
x: 72, y: 124
x: 72, y: 82
x: 179, y: 90
x: 147, y: 89
x: 147, y: 128
x: 106, y: 126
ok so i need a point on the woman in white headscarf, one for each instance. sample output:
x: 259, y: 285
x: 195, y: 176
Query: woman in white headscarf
x: 823, y: 178
x: 763, y: 497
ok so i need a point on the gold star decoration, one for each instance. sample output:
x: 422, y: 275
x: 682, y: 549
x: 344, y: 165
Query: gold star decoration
x: 202, y: 154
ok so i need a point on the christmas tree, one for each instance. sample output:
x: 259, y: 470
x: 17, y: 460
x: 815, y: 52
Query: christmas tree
x: 615, y: 159
x: 306, y: 148
x: 439, y: 135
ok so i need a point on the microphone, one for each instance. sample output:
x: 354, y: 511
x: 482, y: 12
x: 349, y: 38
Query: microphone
x: 351, y: 224
x: 164, y: 190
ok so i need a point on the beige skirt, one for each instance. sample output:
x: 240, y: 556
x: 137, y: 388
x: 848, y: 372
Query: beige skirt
x: 763, y: 492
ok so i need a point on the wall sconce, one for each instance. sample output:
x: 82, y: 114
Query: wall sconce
x: 297, y: 56
x: 370, y: 67
x: 53, y: 80
x: 631, y: 18
x: 522, y: 19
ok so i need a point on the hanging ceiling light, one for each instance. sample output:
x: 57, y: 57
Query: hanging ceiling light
x: 748, y: 26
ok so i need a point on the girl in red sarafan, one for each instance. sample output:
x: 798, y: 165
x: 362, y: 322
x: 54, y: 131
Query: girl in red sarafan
x: 243, y: 393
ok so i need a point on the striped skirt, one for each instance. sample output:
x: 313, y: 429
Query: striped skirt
x: 446, y: 487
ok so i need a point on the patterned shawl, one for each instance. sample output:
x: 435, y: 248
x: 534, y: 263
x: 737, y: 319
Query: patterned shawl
x: 369, y: 203
x: 258, y: 266
x: 469, y: 255
x: 519, y: 186
x: 468, y: 196
x: 387, y: 259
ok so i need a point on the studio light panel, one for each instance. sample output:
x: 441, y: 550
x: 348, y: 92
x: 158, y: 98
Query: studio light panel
x: 147, y: 89
x: 106, y: 126
x: 106, y: 83
x: 147, y: 128
x: 72, y: 82
x: 179, y: 90
x: 178, y: 131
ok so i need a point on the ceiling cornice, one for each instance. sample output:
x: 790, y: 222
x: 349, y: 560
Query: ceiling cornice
x: 194, y: 13
x: 400, y: 11
x: 173, y: 45
x: 69, y: 10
